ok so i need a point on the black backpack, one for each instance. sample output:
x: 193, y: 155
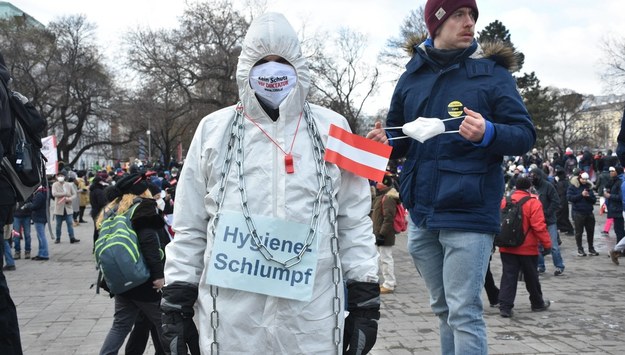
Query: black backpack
x: 512, y: 234
x: 24, y: 164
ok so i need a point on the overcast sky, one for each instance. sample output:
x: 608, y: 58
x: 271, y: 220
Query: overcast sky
x: 561, y: 39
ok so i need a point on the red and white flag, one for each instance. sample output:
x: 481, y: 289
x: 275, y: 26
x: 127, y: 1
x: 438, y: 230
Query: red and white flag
x: 357, y: 154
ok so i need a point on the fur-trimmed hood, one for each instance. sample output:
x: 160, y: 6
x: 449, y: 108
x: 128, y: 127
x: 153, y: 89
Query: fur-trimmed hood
x: 498, y: 51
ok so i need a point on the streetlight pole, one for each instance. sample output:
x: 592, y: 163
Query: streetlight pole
x: 149, y: 145
x: 149, y: 139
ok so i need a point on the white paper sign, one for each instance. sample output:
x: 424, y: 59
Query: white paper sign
x: 49, y: 151
x: 237, y: 263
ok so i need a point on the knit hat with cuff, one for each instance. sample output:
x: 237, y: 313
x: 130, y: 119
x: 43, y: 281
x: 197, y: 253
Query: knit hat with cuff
x: 437, y: 11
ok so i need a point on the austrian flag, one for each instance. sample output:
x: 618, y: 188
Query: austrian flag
x: 357, y: 154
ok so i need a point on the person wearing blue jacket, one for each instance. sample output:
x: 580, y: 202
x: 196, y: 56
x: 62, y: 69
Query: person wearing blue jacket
x: 39, y: 209
x: 582, y: 198
x: 461, y: 99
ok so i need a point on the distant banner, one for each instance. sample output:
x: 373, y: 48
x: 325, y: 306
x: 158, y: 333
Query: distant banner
x: 49, y: 151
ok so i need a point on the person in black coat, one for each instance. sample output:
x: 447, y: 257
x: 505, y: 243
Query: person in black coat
x: 562, y: 215
x: 583, y: 199
x: 146, y: 222
x: 10, y: 341
x: 614, y: 200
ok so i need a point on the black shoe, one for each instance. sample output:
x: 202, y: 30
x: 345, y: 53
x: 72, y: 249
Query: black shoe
x: 581, y: 252
x: 58, y: 241
x: 558, y: 272
x: 506, y: 313
x: 570, y: 234
x: 39, y: 258
x: 546, y: 305
x: 74, y: 240
x: 592, y: 252
x: 8, y: 268
x: 81, y: 221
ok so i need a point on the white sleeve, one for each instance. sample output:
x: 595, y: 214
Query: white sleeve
x: 359, y: 255
x: 185, y: 253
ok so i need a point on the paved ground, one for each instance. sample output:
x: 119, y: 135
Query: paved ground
x: 60, y: 314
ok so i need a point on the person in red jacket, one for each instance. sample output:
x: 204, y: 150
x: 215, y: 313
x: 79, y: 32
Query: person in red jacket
x: 524, y: 257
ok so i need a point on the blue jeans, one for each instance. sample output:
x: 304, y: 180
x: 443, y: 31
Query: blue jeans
x: 43, y: 242
x: 555, y: 249
x: 70, y: 225
x: 19, y: 223
x: 453, y: 265
x: 7, y: 253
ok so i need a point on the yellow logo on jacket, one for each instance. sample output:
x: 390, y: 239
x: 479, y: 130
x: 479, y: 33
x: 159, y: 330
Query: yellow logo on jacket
x: 455, y: 109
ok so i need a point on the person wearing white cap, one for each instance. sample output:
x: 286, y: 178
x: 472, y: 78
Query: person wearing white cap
x: 583, y: 199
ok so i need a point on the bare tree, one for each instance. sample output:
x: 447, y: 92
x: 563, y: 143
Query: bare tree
x: 185, y: 73
x: 394, y: 54
x: 61, y: 70
x: 571, y: 120
x: 341, y: 80
x: 614, y: 62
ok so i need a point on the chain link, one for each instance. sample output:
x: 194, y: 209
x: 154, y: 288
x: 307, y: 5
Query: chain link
x: 325, y: 182
x: 235, y: 148
x: 314, y: 222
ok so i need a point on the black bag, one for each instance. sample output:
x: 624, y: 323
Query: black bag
x: 512, y: 234
x: 23, y: 164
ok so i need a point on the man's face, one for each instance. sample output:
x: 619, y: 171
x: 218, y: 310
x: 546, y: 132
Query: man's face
x: 612, y: 173
x: 457, y: 31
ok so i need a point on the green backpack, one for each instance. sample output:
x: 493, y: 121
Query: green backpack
x: 117, y: 252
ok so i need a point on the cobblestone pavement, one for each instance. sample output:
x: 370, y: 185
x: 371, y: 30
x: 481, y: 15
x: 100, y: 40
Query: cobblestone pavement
x: 59, y: 313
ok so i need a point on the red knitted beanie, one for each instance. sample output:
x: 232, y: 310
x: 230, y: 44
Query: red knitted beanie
x: 437, y: 11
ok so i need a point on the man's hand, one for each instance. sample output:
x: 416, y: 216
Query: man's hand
x: 378, y: 134
x: 179, y: 334
x: 361, y: 325
x: 473, y: 126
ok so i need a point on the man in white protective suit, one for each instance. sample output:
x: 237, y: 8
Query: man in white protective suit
x: 272, y: 243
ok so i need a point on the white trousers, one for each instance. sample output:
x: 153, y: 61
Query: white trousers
x: 388, y: 266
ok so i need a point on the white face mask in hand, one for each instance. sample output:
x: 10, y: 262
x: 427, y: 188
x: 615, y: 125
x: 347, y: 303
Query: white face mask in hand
x: 424, y: 128
x: 272, y: 82
x: 160, y: 204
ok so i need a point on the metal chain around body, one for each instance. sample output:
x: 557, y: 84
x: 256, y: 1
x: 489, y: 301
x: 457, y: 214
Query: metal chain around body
x: 235, y: 150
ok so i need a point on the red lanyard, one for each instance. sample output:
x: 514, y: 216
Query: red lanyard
x: 288, y: 157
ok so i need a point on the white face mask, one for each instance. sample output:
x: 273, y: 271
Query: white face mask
x: 424, y: 128
x: 60, y: 178
x: 160, y: 204
x: 272, y: 82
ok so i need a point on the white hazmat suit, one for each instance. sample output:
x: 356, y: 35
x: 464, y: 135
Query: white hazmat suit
x: 253, y: 322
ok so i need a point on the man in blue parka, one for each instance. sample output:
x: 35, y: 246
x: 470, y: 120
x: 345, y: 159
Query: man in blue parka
x: 453, y: 183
